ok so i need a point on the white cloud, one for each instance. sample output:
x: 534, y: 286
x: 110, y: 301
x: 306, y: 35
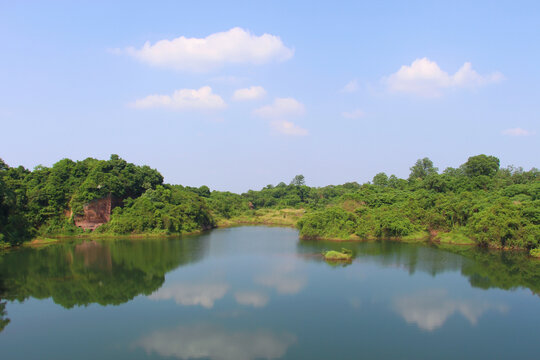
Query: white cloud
x: 517, y: 132
x: 252, y: 298
x: 251, y: 93
x: 355, y: 114
x: 430, y: 309
x: 350, y: 87
x: 183, y: 99
x: 283, y: 279
x: 280, y: 112
x: 281, y: 108
x: 192, y: 294
x: 425, y: 78
x: 235, y: 46
x: 288, y: 128
x: 213, y: 342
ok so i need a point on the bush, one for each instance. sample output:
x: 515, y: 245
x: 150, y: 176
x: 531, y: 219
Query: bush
x: 333, y: 222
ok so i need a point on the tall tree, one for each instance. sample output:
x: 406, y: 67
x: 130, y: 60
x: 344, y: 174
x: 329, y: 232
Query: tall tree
x: 298, y: 180
x: 481, y: 165
x: 381, y: 179
x: 422, y: 169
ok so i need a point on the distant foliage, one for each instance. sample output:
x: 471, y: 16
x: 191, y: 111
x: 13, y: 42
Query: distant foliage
x: 166, y: 209
x: 479, y: 201
x: 422, y: 169
x: 333, y: 222
x: 46, y: 199
x: 494, y: 207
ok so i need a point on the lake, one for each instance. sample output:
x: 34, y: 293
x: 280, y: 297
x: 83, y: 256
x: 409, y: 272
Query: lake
x: 260, y: 293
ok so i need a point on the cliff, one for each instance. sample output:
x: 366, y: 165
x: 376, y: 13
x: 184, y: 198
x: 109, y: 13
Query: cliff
x: 97, y: 212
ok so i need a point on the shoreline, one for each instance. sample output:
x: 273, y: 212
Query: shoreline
x: 426, y: 238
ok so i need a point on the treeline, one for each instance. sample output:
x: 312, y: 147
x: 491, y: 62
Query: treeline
x: 477, y: 202
x: 45, y: 201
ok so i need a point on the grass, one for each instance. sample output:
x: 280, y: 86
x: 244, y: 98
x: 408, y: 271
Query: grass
x: 281, y: 217
x: 535, y: 252
x: 418, y: 236
x: 41, y: 242
x: 454, y: 237
x: 333, y: 255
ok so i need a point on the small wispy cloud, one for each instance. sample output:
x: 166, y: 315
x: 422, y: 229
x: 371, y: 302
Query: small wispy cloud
x: 350, y: 87
x: 517, y: 132
x: 355, y: 114
x: 425, y: 78
x: 251, y: 93
x: 280, y: 113
x: 183, y: 99
x: 282, y: 107
x: 288, y: 128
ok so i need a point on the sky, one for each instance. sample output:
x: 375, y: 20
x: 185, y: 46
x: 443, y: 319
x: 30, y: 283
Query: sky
x: 240, y: 94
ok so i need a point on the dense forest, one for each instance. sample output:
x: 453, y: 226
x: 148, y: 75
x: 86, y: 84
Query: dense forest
x: 476, y: 203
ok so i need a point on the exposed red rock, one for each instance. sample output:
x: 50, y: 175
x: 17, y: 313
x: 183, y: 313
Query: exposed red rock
x: 94, y: 255
x: 97, y: 212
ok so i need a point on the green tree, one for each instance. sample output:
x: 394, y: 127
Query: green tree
x: 381, y: 179
x: 298, y: 180
x: 422, y: 169
x: 481, y: 165
x: 3, y: 165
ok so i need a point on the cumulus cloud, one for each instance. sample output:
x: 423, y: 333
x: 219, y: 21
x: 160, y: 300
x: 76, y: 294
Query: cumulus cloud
x: 251, y: 298
x: 517, y: 132
x: 280, y: 112
x: 425, y: 78
x: 235, y: 46
x: 283, y: 279
x: 192, y: 294
x: 250, y: 93
x: 213, y: 342
x: 355, y: 114
x: 281, y: 108
x: 350, y: 87
x: 183, y: 99
x: 288, y: 128
x: 430, y: 309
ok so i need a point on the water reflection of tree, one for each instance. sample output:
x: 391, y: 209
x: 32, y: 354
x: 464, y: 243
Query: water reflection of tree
x: 502, y: 269
x: 3, y: 314
x: 107, y: 273
x: 484, y: 268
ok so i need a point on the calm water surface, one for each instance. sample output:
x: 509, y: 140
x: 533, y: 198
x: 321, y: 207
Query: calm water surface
x: 260, y: 293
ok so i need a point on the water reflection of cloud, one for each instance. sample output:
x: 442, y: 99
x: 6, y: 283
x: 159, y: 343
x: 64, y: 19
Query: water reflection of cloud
x: 208, y: 341
x: 252, y: 298
x: 284, y: 279
x: 430, y: 309
x: 192, y: 294
x: 355, y: 302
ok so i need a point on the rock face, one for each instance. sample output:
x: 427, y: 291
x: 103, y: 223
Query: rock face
x: 97, y: 212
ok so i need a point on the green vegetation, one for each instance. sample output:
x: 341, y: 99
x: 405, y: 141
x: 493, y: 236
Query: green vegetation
x: 277, y: 217
x: 164, y: 210
x: 86, y: 272
x: 457, y: 236
x: 333, y: 255
x: 485, y: 268
x: 477, y: 203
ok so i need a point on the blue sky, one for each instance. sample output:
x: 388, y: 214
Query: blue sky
x: 337, y: 91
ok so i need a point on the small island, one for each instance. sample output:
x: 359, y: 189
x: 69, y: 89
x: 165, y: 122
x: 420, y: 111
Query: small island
x: 334, y: 255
